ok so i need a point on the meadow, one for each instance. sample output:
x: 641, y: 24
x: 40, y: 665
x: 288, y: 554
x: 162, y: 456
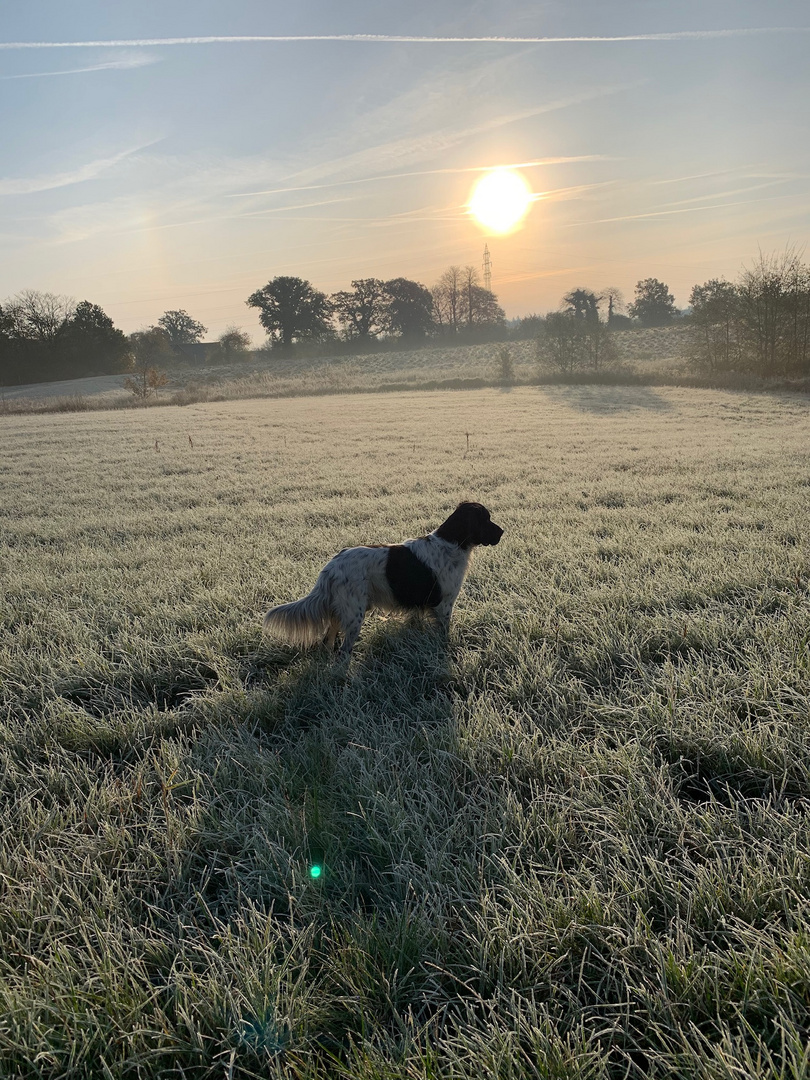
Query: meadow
x: 571, y: 842
x: 659, y: 354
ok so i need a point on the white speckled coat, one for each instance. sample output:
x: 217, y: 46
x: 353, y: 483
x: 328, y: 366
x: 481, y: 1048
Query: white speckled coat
x: 356, y: 580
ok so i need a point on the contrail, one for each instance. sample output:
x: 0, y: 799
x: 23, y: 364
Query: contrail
x: 23, y: 186
x: 117, y: 65
x: 423, y: 172
x: 218, y: 39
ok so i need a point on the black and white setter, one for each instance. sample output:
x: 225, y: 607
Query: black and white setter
x: 421, y: 574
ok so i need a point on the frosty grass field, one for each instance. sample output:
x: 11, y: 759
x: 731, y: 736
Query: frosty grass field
x: 572, y: 843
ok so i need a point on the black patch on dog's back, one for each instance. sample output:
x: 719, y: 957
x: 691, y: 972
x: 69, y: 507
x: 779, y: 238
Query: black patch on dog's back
x: 413, y: 584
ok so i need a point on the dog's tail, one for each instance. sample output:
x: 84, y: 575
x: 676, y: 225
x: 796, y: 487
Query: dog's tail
x: 303, y: 622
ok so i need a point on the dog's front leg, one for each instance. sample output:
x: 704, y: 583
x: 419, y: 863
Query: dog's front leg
x: 442, y: 614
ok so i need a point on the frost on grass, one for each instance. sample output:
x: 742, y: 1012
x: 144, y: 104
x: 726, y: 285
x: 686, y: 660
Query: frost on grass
x: 572, y: 843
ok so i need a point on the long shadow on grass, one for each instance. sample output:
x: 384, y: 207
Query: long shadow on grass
x: 313, y: 816
x: 295, y: 784
x: 607, y: 399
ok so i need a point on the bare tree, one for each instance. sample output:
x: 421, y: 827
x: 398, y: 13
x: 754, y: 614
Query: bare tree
x: 39, y: 316
x: 447, y: 299
x: 470, y: 281
x: 149, y: 347
x: 561, y: 342
x: 715, y: 334
x: 615, y: 301
x: 775, y: 313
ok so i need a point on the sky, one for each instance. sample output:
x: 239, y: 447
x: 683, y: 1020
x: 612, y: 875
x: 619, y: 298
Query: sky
x: 149, y: 161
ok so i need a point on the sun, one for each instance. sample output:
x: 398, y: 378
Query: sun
x: 501, y: 200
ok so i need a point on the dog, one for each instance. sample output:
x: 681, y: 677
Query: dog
x: 424, y: 574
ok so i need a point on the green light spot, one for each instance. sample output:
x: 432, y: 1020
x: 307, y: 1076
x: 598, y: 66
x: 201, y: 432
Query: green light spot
x: 315, y: 871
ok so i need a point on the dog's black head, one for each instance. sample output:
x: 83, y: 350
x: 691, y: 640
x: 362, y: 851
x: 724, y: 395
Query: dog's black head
x: 470, y: 525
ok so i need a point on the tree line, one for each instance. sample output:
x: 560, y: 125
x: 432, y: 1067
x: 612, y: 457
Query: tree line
x: 292, y: 311
x: 759, y: 323
x: 45, y: 337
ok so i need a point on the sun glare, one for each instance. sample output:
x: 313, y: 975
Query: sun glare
x: 500, y: 200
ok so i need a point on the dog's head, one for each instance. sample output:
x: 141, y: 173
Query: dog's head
x: 469, y: 525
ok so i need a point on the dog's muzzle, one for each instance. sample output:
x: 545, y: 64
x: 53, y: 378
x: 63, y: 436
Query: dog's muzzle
x: 494, y: 534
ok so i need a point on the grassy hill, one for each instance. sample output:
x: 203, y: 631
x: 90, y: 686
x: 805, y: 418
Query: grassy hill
x: 659, y: 352
x: 571, y: 842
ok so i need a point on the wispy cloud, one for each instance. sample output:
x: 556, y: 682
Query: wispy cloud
x: 428, y: 172
x: 427, y: 138
x: 123, y: 63
x: 727, y: 194
x: 698, y: 176
x: 371, y: 39
x: 90, y: 171
x: 685, y: 210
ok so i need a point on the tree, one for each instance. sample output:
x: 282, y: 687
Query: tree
x: 362, y: 312
x: 91, y: 344
x: 410, y: 309
x: 575, y: 337
x: 715, y: 322
x: 654, y: 304
x: 149, y: 347
x: 615, y: 302
x: 447, y: 299
x: 469, y: 283
x: 775, y: 313
x: 180, y: 328
x: 530, y: 326
x: 8, y: 356
x: 459, y: 301
x: 582, y: 304
x: 481, y: 308
x: 53, y: 337
x: 39, y: 316
x: 561, y: 341
x: 291, y: 310
x: 234, y: 344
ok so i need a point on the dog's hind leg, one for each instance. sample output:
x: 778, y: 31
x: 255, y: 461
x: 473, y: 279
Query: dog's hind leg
x: 351, y: 632
x: 330, y: 637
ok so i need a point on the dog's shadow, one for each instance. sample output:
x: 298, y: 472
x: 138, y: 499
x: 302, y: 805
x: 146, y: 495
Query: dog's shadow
x: 321, y: 748
x: 390, y: 649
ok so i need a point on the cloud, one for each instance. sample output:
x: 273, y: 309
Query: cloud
x: 90, y: 171
x: 374, y: 39
x: 124, y: 63
x: 393, y: 154
x: 686, y: 210
x: 428, y: 172
x: 727, y: 194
